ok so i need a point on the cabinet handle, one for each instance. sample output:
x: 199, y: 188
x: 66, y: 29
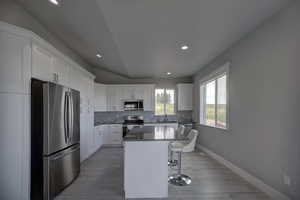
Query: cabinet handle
x: 55, y: 77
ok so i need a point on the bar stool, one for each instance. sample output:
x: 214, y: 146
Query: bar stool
x: 180, y: 131
x: 180, y: 179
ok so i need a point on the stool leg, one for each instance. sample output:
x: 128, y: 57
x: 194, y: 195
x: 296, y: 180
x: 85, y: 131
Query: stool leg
x: 179, y: 163
x: 179, y: 179
x: 171, y: 161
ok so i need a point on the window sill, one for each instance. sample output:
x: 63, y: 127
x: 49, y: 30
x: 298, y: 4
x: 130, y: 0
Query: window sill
x: 204, y: 125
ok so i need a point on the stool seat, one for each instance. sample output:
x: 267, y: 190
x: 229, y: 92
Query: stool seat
x: 177, y: 146
x: 180, y: 179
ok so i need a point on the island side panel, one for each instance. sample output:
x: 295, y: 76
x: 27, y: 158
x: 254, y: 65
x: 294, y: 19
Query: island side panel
x: 146, y: 169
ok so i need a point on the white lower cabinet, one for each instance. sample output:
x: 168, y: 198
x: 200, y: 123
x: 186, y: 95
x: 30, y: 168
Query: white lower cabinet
x: 14, y: 146
x: 113, y: 134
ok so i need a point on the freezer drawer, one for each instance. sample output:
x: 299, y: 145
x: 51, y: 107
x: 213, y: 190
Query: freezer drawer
x: 60, y: 170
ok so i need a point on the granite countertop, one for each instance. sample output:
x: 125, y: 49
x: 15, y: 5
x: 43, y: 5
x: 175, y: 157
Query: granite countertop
x: 167, y: 122
x: 153, y: 133
x: 162, y: 122
x: 99, y: 124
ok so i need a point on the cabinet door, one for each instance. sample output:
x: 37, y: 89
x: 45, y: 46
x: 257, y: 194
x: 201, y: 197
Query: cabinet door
x: 84, y: 141
x: 14, y: 146
x: 139, y: 92
x: 75, y: 78
x: 15, y: 63
x: 61, y: 71
x: 100, y: 98
x: 127, y: 92
x: 116, y: 134
x: 119, y: 98
x: 185, y: 96
x: 42, y: 64
x: 149, y: 98
x: 111, y: 98
x: 102, y: 131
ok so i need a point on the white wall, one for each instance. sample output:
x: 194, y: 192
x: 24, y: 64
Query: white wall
x: 264, y: 97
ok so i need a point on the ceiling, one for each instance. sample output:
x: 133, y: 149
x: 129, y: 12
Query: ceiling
x: 142, y: 38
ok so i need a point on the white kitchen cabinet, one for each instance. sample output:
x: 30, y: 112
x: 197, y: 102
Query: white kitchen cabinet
x: 84, y: 135
x: 98, y: 136
x: 61, y: 71
x: 115, y: 98
x: 148, y: 97
x: 75, y: 79
x: 139, y: 92
x: 113, y: 134
x: 185, y: 96
x: 42, y: 63
x: 24, y: 55
x: 48, y: 67
x: 14, y: 146
x: 14, y: 63
x: 100, y: 98
x: 86, y: 117
x: 116, y: 94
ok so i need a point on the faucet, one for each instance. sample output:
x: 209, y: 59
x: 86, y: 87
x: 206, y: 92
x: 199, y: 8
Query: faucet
x: 166, y: 118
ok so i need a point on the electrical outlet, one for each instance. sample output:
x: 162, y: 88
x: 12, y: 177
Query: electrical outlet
x: 286, y: 180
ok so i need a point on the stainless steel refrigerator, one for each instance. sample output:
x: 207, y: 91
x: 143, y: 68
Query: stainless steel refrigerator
x: 55, y: 138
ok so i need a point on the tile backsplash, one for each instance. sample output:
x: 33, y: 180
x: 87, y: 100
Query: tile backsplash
x: 149, y: 117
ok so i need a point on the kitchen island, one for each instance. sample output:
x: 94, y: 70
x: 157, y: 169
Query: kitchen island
x: 146, y: 161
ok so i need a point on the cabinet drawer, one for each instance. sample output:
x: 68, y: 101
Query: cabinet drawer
x: 113, y: 139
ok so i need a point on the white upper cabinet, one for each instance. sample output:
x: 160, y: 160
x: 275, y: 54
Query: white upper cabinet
x: 115, y: 97
x: 75, y: 79
x: 100, y: 97
x: 116, y: 94
x: 148, y: 97
x: 14, y: 63
x: 61, y: 71
x: 42, y: 64
x: 47, y: 67
x: 185, y: 96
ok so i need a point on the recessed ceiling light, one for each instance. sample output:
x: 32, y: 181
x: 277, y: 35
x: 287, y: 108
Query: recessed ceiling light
x: 99, y: 56
x: 55, y: 2
x: 169, y: 73
x: 184, y: 47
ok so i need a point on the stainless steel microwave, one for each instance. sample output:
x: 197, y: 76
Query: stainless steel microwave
x: 134, y: 105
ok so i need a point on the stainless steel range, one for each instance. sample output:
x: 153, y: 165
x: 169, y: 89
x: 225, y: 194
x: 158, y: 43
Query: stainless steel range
x: 132, y: 121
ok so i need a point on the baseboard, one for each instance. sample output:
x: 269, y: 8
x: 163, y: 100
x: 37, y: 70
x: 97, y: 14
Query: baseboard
x: 274, y: 194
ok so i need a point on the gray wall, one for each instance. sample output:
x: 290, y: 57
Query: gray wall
x: 264, y: 96
x: 12, y: 13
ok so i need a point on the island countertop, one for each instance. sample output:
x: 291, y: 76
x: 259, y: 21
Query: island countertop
x: 153, y: 133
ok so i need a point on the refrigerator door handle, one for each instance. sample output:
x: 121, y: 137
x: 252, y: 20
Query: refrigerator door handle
x: 66, y: 117
x: 71, y: 117
x: 62, y: 154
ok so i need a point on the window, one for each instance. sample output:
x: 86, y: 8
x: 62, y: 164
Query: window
x: 213, y: 100
x: 164, y: 101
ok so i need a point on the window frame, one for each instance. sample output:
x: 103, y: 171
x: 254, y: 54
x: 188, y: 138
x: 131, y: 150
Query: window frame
x: 175, y: 101
x: 214, y: 76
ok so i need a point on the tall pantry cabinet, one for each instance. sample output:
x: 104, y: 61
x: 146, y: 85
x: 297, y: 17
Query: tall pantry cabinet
x: 24, y: 55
